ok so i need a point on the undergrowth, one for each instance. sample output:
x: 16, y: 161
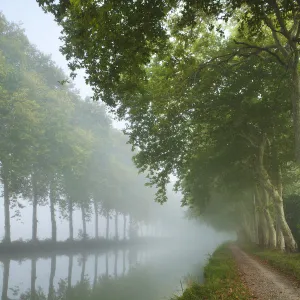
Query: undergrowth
x: 222, y: 280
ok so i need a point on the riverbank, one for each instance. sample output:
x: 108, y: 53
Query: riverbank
x: 232, y: 273
x: 44, y: 248
x: 222, y: 279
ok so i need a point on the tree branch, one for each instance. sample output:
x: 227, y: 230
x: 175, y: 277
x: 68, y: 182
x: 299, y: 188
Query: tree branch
x: 265, y: 49
x: 270, y: 24
x: 274, y: 4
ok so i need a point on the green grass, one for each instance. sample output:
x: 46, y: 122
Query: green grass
x: 288, y: 263
x: 222, y: 280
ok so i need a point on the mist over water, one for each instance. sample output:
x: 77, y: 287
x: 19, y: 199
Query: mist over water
x: 155, y: 270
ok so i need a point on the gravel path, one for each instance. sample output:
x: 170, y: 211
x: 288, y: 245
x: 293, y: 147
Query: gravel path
x: 264, y: 282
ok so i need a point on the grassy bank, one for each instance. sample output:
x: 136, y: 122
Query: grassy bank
x: 288, y: 263
x: 222, y: 280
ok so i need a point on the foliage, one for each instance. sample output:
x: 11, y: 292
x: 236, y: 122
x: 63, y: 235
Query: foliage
x: 57, y: 148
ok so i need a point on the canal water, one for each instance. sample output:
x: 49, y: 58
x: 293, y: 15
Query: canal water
x: 140, y: 272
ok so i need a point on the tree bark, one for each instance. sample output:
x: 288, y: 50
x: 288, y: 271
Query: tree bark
x: 33, y: 279
x: 7, y: 238
x: 52, y: 196
x: 266, y: 183
x: 96, y: 220
x: 83, y: 221
x: 116, y: 226
x: 116, y: 264
x: 106, y: 265
x: 70, y: 208
x: 5, y: 279
x: 280, y: 237
x: 124, y: 262
x: 255, y: 219
x: 125, y: 226
x: 296, y: 107
x: 34, y: 208
x: 269, y: 220
x: 83, y: 268
x: 70, y: 269
x: 51, y: 279
x: 107, y: 225
x: 95, y: 271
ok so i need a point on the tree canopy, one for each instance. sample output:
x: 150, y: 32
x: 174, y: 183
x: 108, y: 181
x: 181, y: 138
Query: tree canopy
x: 210, y: 92
x: 58, y: 149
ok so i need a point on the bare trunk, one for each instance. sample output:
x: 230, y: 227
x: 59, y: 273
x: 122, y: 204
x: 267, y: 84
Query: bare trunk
x: 269, y: 220
x: 116, y: 226
x: 107, y: 225
x: 280, y: 237
x: 33, y: 279
x: 83, y: 221
x: 296, y: 109
x: 51, y: 280
x: 7, y: 238
x: 52, y: 196
x: 70, y: 208
x: 255, y: 220
x: 266, y: 183
x: 124, y: 262
x: 124, y: 227
x: 83, y: 268
x: 6, y: 264
x: 106, y: 265
x: 34, y: 208
x: 70, y: 269
x: 96, y: 220
x: 263, y: 229
x: 116, y: 264
x: 95, y: 271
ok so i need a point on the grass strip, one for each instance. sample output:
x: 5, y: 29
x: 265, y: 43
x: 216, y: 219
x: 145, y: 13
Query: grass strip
x: 222, y: 280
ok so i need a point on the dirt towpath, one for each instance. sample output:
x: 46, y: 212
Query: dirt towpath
x: 264, y: 282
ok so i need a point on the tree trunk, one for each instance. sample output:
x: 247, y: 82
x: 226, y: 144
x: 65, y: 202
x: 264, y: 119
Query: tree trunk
x: 83, y: 268
x: 34, y: 208
x: 266, y: 183
x: 255, y: 219
x: 33, y: 279
x: 51, y: 279
x: 116, y: 226
x: 83, y: 221
x: 70, y: 269
x: 124, y: 227
x: 96, y: 220
x: 116, y: 264
x: 106, y: 265
x: 52, y: 196
x: 70, y: 208
x: 280, y: 237
x: 107, y: 225
x: 6, y: 264
x: 269, y: 220
x: 124, y: 262
x: 7, y: 238
x: 95, y: 271
x: 296, y: 108
x: 290, y: 242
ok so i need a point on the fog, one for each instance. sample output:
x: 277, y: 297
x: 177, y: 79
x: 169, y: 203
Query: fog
x: 67, y: 176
